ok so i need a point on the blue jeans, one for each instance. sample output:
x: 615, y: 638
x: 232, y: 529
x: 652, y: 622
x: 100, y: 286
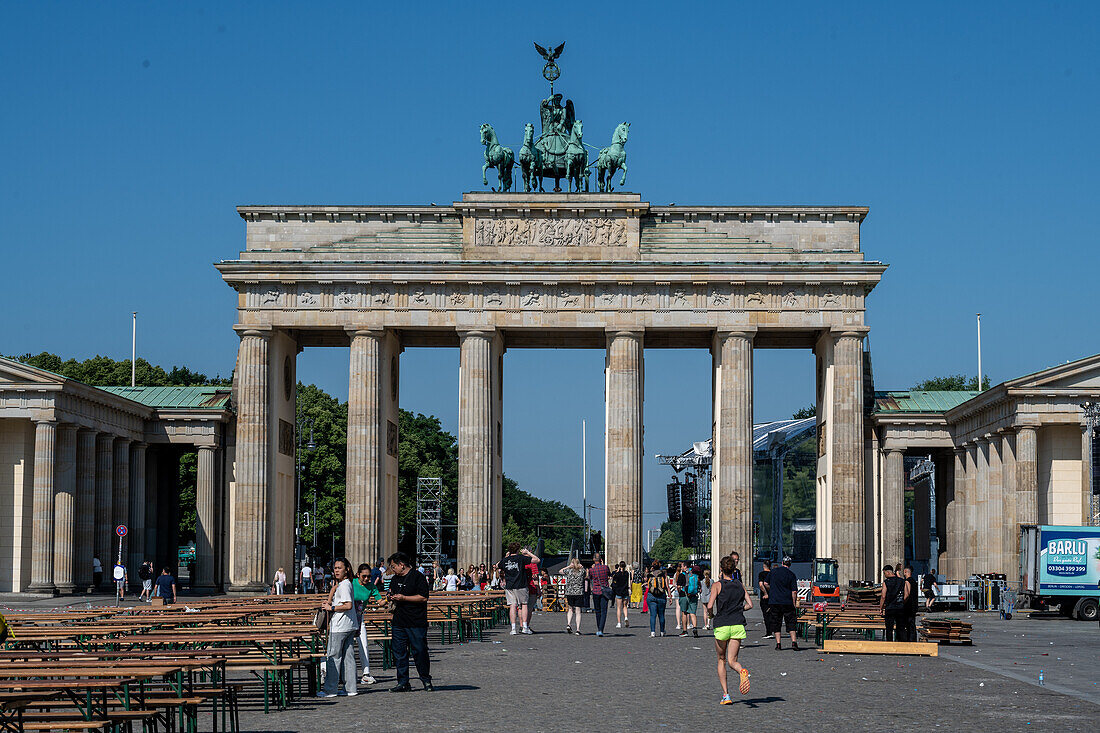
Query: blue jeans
x: 657, y: 611
x: 412, y: 641
x: 599, y: 603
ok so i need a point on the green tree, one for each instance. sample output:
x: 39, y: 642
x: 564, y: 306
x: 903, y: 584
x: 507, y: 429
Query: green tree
x: 102, y: 371
x: 804, y: 412
x: 951, y: 383
x: 323, y: 468
x: 188, y: 512
x: 669, y: 545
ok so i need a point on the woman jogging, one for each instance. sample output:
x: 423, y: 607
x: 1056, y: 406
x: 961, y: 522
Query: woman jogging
x: 574, y: 594
x: 728, y: 603
x: 657, y: 588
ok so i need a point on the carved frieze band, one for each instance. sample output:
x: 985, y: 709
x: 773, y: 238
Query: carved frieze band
x: 510, y: 232
x: 548, y: 296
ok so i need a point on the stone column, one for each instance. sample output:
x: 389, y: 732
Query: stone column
x: 45, y: 453
x: 956, y: 521
x: 995, y: 508
x: 85, y: 508
x: 205, y: 480
x: 971, y: 508
x: 625, y: 380
x: 1086, y: 474
x: 845, y: 437
x: 893, y: 508
x: 1027, y: 474
x: 248, y: 572
x: 477, y: 487
x: 104, y: 532
x: 64, y: 507
x: 366, y: 444
x: 983, y: 520
x: 120, y: 495
x: 731, y: 487
x: 135, y: 540
x: 151, y: 475
x: 1010, y: 534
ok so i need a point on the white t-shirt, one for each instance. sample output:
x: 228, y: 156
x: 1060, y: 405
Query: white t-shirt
x: 306, y: 571
x: 452, y: 582
x: 343, y: 620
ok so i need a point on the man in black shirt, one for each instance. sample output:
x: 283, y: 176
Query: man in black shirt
x: 409, y: 593
x: 911, y: 602
x: 782, y: 600
x: 762, y: 586
x: 891, y: 604
x: 929, y: 589
x: 516, y: 579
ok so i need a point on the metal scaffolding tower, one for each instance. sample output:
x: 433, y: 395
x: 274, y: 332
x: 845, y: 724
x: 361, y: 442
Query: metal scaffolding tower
x: 429, y: 519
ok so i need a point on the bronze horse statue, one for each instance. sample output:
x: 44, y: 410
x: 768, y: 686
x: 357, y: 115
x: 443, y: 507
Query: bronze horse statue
x: 530, y: 160
x: 611, y: 159
x: 576, y: 159
x: 496, y: 156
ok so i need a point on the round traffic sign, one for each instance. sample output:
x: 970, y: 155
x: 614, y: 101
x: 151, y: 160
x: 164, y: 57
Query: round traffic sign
x: 120, y: 530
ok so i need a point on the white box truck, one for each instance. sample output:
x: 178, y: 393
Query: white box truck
x: 1060, y: 565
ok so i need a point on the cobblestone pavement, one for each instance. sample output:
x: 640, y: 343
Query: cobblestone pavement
x: 627, y: 681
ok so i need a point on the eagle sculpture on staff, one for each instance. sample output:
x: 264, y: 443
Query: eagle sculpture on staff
x: 550, y: 55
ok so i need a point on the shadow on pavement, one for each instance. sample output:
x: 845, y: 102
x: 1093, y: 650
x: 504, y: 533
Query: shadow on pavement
x: 755, y: 702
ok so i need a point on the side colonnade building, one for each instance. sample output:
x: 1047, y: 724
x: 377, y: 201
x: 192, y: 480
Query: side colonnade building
x: 1021, y: 452
x: 77, y: 461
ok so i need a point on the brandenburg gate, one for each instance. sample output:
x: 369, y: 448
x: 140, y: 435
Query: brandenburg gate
x: 499, y: 271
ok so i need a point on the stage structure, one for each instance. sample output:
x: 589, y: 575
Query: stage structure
x: 429, y: 519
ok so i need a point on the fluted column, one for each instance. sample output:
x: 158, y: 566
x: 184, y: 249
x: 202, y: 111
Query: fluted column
x: 135, y: 539
x: 205, y: 480
x: 846, y: 442
x: 731, y: 487
x: 1010, y: 527
x: 45, y: 454
x: 982, y: 508
x: 151, y: 504
x: 85, y: 508
x: 893, y: 508
x: 625, y: 379
x: 477, y: 489
x: 995, y: 508
x: 972, y: 508
x: 956, y: 520
x: 1027, y: 474
x: 120, y: 494
x: 64, y: 507
x: 1086, y: 474
x: 366, y: 443
x: 248, y: 573
x: 104, y: 531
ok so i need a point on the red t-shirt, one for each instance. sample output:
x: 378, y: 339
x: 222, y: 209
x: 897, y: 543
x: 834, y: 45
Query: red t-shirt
x: 532, y: 579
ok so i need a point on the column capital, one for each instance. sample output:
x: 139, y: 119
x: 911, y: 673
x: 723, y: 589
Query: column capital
x: 612, y: 332
x: 982, y: 439
x: 369, y: 332
x: 850, y: 331
x: 890, y: 450
x: 138, y: 445
x: 1019, y: 426
x: 959, y: 450
x: 46, y: 421
x: 263, y: 332
x: 745, y: 332
x: 485, y: 332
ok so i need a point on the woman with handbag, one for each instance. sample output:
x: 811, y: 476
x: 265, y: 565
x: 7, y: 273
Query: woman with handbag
x: 600, y: 576
x: 574, y: 594
x: 620, y: 588
x: 657, y: 594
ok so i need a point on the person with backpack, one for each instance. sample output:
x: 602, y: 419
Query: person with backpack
x: 895, y: 592
x: 657, y: 596
x: 145, y: 574
x: 782, y: 602
x: 689, y: 603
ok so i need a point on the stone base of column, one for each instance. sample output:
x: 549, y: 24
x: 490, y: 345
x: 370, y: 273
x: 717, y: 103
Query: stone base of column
x: 66, y: 589
x: 247, y: 589
x: 42, y: 590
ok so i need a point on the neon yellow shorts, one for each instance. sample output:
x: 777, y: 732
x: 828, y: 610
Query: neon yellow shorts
x: 725, y: 633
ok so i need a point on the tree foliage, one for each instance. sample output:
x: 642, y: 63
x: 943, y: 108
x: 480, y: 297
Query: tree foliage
x: 669, y: 545
x: 804, y: 412
x: 103, y: 371
x: 951, y: 383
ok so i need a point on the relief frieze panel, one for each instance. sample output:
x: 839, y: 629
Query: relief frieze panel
x: 511, y: 232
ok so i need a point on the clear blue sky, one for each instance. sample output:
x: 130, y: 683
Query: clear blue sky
x: 130, y: 131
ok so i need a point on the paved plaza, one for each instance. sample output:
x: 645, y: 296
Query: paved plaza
x: 627, y: 681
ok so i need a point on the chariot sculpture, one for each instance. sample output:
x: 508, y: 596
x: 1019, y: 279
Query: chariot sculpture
x: 559, y: 151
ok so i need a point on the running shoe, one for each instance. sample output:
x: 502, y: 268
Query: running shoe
x: 568, y: 630
x: 726, y: 700
x: 684, y: 633
x: 367, y: 680
x: 618, y: 626
x: 652, y: 634
x: 744, y: 681
x: 795, y: 646
x: 626, y: 622
x: 527, y: 630
x: 695, y: 632
x: 514, y: 632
